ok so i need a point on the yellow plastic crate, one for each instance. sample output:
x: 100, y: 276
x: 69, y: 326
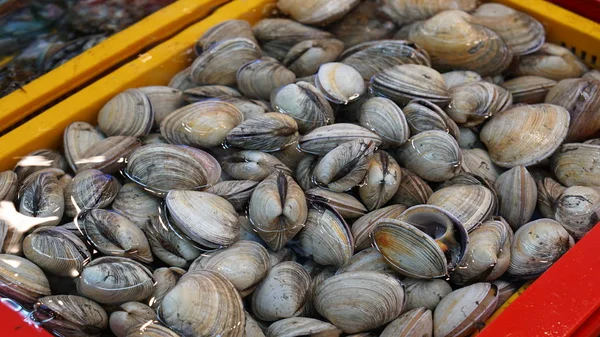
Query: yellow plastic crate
x: 92, y: 63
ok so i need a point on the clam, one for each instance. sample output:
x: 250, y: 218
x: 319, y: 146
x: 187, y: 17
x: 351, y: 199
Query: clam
x: 108, y: 155
x: 366, y: 260
x: 528, y: 89
x: 277, y: 209
x: 363, y: 24
x: 203, y: 124
x: 522, y: 33
x: 437, y: 242
x: 425, y: 293
x: 469, y: 139
x: 536, y: 246
x: 363, y: 227
x: 345, y: 204
x: 318, y: 275
x: 205, y: 218
x: 93, y: 189
x: 69, y: 315
x: 163, y: 100
x: 21, y: 280
x: 42, y: 197
x: 322, y: 140
x: 518, y: 196
x: 151, y: 330
x: 304, y: 172
x: 412, y: 190
x: 376, y: 299
x: 578, y: 209
x: 135, y: 204
x: 471, y: 204
x: 237, y: 192
x: 384, y: 118
x: 413, y: 323
x: 129, y: 315
x: 592, y: 74
x: 479, y: 163
x: 220, y: 63
x: 57, y: 251
x: 458, y: 77
x: 473, y: 103
x: 282, y: 293
x: 403, y: 83
x: 244, y: 264
x: 305, y: 103
x: 549, y: 190
x: 169, y: 246
x: 340, y: 83
x: 282, y: 255
x: 39, y: 160
x: 78, y: 138
x: 291, y: 155
x: 182, y: 80
x: 115, y: 235
x: 550, y: 61
x: 159, y: 168
x: 326, y: 236
x: 222, y: 31
x: 316, y: 12
x: 469, y: 179
x: 127, y: 114
x: 433, y: 155
x: 165, y: 280
x: 305, y: 58
x: 381, y: 181
x: 449, y: 37
x: 505, y: 291
x: 581, y: 97
x: 204, y: 92
x: 525, y: 135
x: 153, y: 138
x: 270, y: 132
x: 252, y: 165
x: 258, y: 78
x: 406, y: 11
x: 195, y: 306
x: 465, y: 310
x: 252, y: 328
x: 247, y: 231
x: 576, y: 164
x: 422, y: 115
x: 488, y: 253
x: 115, y: 280
x: 302, y: 326
x: 9, y: 185
x: 370, y: 58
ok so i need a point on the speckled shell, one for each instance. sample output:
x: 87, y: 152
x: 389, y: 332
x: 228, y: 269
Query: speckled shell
x: 576, y: 164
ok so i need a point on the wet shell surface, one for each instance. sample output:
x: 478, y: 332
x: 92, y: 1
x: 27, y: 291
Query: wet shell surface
x: 550, y: 61
x: 383, y: 117
x: 345, y: 204
x: 163, y: 100
x: 340, y: 83
x: 471, y: 204
x: 135, y: 204
x: 518, y: 196
x: 252, y: 165
x: 305, y: 58
x: 127, y: 114
x: 269, y: 132
x: 363, y: 227
x: 322, y: 140
x: 381, y: 181
x: 473, y: 103
x: 70, y: 315
x: 77, y: 139
x: 425, y: 293
x: 305, y: 103
x: 575, y: 164
x: 413, y: 323
x: 130, y: 315
x: 257, y: 79
x: 22, y: 280
x: 423, y: 115
x: 302, y: 326
x: 412, y: 190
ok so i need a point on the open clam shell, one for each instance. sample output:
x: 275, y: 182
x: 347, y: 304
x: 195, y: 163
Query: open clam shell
x: 70, y: 315
x: 575, y: 164
x: 316, y: 12
x: 423, y: 115
x: 550, y: 61
x: 363, y: 227
x: 381, y: 181
x: 258, y: 78
x: 305, y: 103
x: 528, y: 89
x: 322, y: 140
x: 22, y: 280
x: 127, y: 114
x: 386, y: 119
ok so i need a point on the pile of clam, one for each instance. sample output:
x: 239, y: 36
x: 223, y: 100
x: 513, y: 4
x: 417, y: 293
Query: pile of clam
x: 375, y: 168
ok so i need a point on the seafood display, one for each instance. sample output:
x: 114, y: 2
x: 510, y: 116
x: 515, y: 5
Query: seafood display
x: 344, y: 167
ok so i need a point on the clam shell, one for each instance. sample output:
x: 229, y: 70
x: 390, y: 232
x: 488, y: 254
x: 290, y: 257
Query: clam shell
x: 21, y: 280
x: 550, y: 61
x: 252, y: 328
x: 69, y: 315
x: 258, y: 78
x: 363, y: 24
x: 592, y: 74
x: 39, y: 160
x: 108, y: 155
x: 473, y: 103
x: 302, y: 326
x: 135, y: 204
x: 425, y: 293
x: 237, y: 192
x: 228, y: 29
x: 370, y: 58
x: 252, y: 165
x: 182, y: 80
x: 364, y: 226
x: 422, y: 115
x: 407, y: 11
x: 340, y: 83
x: 205, y: 218
x: 433, y: 155
x: 129, y: 316
x: 318, y: 275
x: 305, y: 103
x: 282, y: 293
x: 277, y: 209
x: 479, y: 163
x: 525, y: 135
x: 290, y: 155
x: 376, y: 300
x: 282, y: 255
x: 57, y: 251
x: 548, y: 192
x: 458, y: 77
x: 578, y: 209
x: 165, y: 280
x: 127, y: 114
x: 470, y: 204
x: 163, y: 100
x: 181, y: 167
x: 153, y: 138
x: 304, y: 172
x: 469, y: 139
x: 581, y: 97
x: 203, y: 124
x: 529, y: 89
x: 412, y: 190
x: 575, y: 164
x: 195, y: 305
x: 41, y: 196
x: 203, y: 92
x: 517, y: 192
x: 345, y: 204
x: 316, y: 12
x: 522, y: 33
x: 366, y: 260
x: 78, y: 138
x: 464, y: 310
x: 220, y: 63
x: 414, y: 323
x: 244, y: 264
x: 270, y: 132
x: 536, y: 246
x: 384, y: 118
x: 167, y: 245
x: 151, y: 330
x: 93, y: 189
x: 322, y: 140
x: 305, y: 58
x: 9, y: 184
x: 505, y: 291
x: 381, y: 181
x: 406, y: 82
